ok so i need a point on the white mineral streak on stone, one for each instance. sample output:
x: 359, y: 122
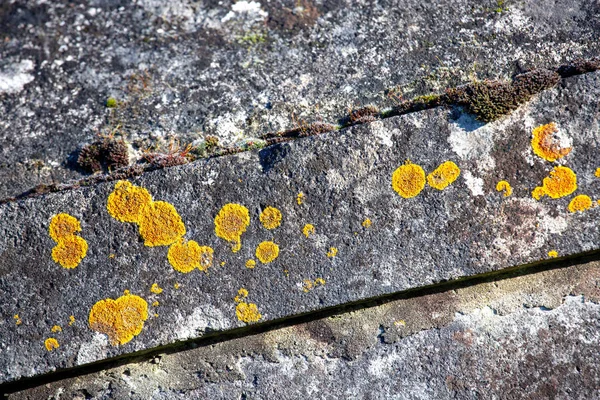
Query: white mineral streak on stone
x: 336, y: 180
x: 383, y: 366
x: 384, y: 135
x: 210, y: 178
x: 548, y: 223
x: 94, y: 350
x: 474, y: 184
x: 249, y: 10
x: 510, y: 21
x: 202, y: 317
x: 14, y: 78
x: 229, y: 127
x: 472, y: 141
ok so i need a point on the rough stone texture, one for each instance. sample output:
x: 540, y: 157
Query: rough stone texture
x: 513, y: 338
x: 184, y: 69
x: 466, y: 229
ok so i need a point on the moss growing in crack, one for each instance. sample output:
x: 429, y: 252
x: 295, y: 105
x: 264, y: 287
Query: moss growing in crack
x: 111, y: 102
x: 490, y: 100
x: 364, y: 114
x: 103, y: 155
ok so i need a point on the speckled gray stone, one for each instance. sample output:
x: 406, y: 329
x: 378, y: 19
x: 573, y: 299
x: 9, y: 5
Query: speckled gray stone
x: 468, y: 228
x: 184, y: 69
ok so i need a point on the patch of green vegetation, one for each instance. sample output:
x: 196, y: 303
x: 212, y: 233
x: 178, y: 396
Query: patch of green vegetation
x: 252, y: 39
x: 111, y: 102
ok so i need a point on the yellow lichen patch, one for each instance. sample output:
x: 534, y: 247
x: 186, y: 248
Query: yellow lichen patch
x: 319, y: 281
x: 561, y: 182
x: 553, y: 253
x: 156, y: 289
x: 120, y: 319
x: 155, y: 304
x: 308, y: 285
x: 247, y: 312
x: 231, y: 222
x: 546, y: 145
x: 597, y: 173
x: 176, y: 286
x: 580, y: 203
x: 308, y: 230
x: 56, y: 328
x: 17, y: 319
x: 270, y: 218
x: 206, y: 258
x: 399, y: 323
x: 267, y: 252
x: 242, y: 293
x: 126, y: 202
x: 250, y: 264
x: 70, y: 251
x: 51, y: 344
x: 71, y: 320
x: 504, y: 186
x: 160, y: 224
x: 332, y: 252
x: 408, y: 180
x: 63, y: 225
x: 367, y: 223
x: 184, y: 256
x: 443, y: 175
x: 300, y: 198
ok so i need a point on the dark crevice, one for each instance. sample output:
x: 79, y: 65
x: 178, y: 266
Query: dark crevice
x: 260, y: 328
x: 487, y: 100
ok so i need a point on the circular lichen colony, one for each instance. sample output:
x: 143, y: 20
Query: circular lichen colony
x: 160, y: 224
x: 184, y: 256
x: 63, y: 225
x: 247, y: 312
x: 561, y: 182
x: 504, y: 186
x: 231, y: 222
x: 443, y: 175
x: 270, y: 218
x: 267, y: 252
x: 51, y: 344
x: 547, y: 145
x: 126, y: 202
x: 119, y: 319
x: 70, y: 251
x: 581, y: 202
x: 408, y: 180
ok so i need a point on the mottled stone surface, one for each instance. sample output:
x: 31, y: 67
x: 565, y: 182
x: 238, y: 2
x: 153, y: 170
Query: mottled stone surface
x: 468, y: 228
x: 533, y: 337
x: 182, y: 70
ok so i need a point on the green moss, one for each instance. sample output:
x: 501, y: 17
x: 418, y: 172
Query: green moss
x: 427, y: 99
x: 111, y: 102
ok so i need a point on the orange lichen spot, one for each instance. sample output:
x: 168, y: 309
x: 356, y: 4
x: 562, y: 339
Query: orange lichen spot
x: 504, y: 186
x: 17, y: 319
x: 408, y: 180
x: 156, y: 289
x: 126, y: 202
x: 267, y: 252
x: 231, y: 222
x: 63, y: 225
x: 250, y: 264
x: 553, y: 253
x: 320, y: 281
x: 242, y: 293
x: 71, y: 320
x: 308, y: 285
x: 367, y: 223
x: 56, y: 328
x: 206, y: 258
x: 223, y: 263
x: 247, y: 312
x: 184, y: 256
x: 120, y: 319
x: 300, y: 198
x: 270, y: 218
x: 160, y: 224
x: 308, y: 230
x: 546, y: 144
x: 155, y: 315
x: 111, y: 255
x: 69, y: 251
x: 176, y: 286
x: 580, y: 203
x: 155, y: 304
x: 561, y: 182
x: 332, y: 252
x: 597, y: 173
x: 399, y: 323
x: 443, y: 175
x: 51, y: 344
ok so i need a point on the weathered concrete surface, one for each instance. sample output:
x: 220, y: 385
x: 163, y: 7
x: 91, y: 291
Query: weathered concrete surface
x: 514, y: 338
x: 466, y: 229
x: 184, y: 69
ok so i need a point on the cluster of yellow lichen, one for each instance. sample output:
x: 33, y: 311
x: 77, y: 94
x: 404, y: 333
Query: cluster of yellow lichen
x: 546, y: 145
x: 18, y: 320
x: 246, y: 312
x: 561, y: 182
x: 332, y: 252
x: 504, y: 186
x: 231, y: 222
x: 267, y: 252
x: 308, y: 285
x: 51, y: 344
x: 367, y: 223
x: 408, y: 180
x: 270, y: 217
x: 70, y: 248
x: 580, y: 203
x: 184, y: 256
x: 250, y: 264
x: 120, y: 319
x: 300, y: 198
x: 553, y: 254
x: 309, y: 229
